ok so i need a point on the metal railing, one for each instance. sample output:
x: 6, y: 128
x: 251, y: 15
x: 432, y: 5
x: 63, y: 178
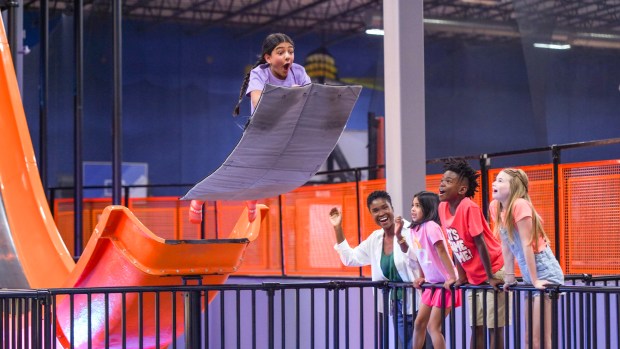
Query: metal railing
x: 334, y: 314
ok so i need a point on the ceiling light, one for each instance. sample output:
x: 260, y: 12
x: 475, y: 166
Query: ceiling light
x: 374, y: 31
x: 552, y: 46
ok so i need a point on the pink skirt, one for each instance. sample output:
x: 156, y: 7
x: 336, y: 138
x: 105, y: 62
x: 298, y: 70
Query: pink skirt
x: 433, y: 297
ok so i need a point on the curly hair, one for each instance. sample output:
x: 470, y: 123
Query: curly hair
x: 461, y: 167
x: 378, y: 194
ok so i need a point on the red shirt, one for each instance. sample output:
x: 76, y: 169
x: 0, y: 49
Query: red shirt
x: 467, y: 223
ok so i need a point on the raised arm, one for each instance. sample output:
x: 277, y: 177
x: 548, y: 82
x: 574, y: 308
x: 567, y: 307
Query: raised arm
x: 335, y: 217
x: 352, y: 257
x: 398, y: 228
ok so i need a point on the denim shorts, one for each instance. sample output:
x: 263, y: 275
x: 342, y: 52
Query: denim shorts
x: 547, y: 268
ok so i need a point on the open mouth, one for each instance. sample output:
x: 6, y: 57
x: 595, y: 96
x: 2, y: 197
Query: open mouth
x: 286, y: 66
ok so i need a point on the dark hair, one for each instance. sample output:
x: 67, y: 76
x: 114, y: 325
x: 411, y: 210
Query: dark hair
x: 269, y: 44
x: 462, y: 168
x: 378, y: 194
x: 429, y: 202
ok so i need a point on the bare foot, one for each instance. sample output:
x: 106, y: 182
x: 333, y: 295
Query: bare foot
x: 195, y: 211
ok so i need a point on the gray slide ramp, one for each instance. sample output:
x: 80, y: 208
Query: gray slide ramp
x: 291, y: 134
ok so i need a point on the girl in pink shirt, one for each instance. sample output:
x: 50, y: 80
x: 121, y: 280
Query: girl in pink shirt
x: 437, y: 267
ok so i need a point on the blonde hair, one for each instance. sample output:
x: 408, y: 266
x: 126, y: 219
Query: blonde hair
x: 518, y: 190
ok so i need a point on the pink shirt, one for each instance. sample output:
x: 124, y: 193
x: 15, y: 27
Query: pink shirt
x: 520, y: 209
x: 424, y: 238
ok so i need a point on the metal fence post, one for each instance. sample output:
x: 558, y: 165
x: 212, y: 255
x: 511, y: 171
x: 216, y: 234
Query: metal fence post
x: 554, y: 295
x: 192, y: 313
x: 40, y: 316
x: 270, y: 288
x: 126, y: 189
x: 555, y: 153
x: 335, y: 286
x: 386, y: 315
x: 485, y: 162
x: 46, y: 304
x: 359, y: 212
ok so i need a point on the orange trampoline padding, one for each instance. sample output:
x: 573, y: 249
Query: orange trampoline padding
x: 120, y: 237
x: 32, y: 250
x: 123, y: 252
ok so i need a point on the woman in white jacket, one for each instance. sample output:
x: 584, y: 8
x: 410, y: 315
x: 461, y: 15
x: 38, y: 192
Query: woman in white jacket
x: 385, y: 252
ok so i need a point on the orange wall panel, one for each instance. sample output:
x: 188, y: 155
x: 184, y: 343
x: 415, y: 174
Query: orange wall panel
x: 589, y: 221
x: 590, y: 224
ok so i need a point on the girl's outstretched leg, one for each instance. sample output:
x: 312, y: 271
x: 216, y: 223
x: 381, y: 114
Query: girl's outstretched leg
x: 251, y: 209
x: 195, y: 211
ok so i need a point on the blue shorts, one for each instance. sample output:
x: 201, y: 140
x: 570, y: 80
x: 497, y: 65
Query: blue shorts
x: 547, y: 268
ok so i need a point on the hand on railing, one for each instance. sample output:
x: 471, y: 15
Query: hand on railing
x: 540, y: 284
x: 448, y: 283
x: 508, y: 284
x: 460, y: 281
x: 417, y: 283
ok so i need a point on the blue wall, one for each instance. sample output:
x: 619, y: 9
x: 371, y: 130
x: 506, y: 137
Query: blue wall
x: 181, y: 83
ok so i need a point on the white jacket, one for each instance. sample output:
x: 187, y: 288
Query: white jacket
x: 369, y: 253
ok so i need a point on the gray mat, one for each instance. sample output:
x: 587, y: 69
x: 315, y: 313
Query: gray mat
x: 290, y: 135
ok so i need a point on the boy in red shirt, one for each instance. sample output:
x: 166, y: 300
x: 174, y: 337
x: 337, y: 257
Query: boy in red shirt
x: 478, y: 254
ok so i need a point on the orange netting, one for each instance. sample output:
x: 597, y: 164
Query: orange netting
x: 589, y: 223
x: 64, y: 218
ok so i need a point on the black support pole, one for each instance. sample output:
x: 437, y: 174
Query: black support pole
x: 484, y: 183
x: 117, y: 144
x: 556, y: 200
x: 43, y: 90
x: 359, y: 210
x: 13, y: 30
x: 372, y: 145
x: 78, y: 31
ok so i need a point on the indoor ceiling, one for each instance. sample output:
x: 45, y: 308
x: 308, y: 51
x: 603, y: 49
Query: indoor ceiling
x: 594, y: 23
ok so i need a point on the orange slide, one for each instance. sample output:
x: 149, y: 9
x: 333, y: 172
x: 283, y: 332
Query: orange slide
x: 121, y: 251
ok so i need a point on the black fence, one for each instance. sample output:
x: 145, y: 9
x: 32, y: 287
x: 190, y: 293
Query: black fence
x: 335, y: 314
